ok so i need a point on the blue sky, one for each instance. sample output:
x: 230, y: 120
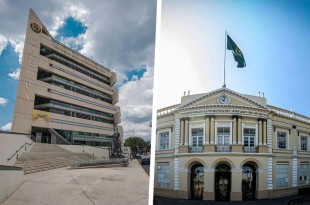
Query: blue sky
x: 120, y: 35
x: 273, y: 36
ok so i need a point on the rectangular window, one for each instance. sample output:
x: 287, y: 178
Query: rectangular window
x: 304, y: 173
x: 163, y: 175
x: 282, y: 174
x: 223, y: 134
x: 164, y: 140
x: 304, y: 143
x: 281, y: 140
x: 197, y: 137
x: 249, y: 137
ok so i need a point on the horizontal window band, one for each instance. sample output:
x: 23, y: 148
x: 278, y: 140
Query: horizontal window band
x: 80, y: 124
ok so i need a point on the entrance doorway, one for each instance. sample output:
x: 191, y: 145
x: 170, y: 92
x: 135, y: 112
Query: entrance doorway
x: 248, y: 182
x: 197, y: 181
x: 222, y: 182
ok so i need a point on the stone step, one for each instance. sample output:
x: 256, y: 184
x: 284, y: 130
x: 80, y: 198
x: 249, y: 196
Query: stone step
x: 47, y: 156
x: 42, y: 162
x: 42, y: 169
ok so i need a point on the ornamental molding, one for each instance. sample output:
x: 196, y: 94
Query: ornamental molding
x: 226, y: 91
x: 226, y: 111
x: 35, y: 27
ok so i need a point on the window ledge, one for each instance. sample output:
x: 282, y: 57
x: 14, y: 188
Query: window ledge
x: 287, y: 151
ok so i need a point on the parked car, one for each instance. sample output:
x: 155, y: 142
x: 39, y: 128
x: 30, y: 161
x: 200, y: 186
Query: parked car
x: 145, y: 160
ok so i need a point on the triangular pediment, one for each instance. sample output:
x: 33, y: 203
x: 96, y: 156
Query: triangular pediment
x: 231, y: 98
x: 35, y: 24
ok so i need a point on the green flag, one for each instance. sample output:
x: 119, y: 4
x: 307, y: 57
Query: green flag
x: 236, y: 52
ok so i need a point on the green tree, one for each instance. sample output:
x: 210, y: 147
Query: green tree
x: 133, y: 142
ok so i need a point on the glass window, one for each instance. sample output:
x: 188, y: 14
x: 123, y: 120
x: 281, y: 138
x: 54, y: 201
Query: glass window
x: 197, y: 137
x: 163, y: 175
x: 304, y: 143
x: 282, y: 174
x: 164, y: 140
x: 223, y: 134
x: 249, y: 137
x: 304, y: 173
x: 281, y: 140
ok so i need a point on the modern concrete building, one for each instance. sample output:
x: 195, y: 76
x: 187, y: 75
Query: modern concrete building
x: 62, y: 95
x: 224, y: 145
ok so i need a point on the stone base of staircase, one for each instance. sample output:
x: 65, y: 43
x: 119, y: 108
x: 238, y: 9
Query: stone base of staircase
x: 44, y: 157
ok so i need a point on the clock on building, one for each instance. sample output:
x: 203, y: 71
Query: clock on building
x: 224, y: 100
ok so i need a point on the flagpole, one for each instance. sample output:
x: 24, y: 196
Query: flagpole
x: 224, y: 86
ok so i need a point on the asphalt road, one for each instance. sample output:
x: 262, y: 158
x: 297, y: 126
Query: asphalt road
x: 145, y: 167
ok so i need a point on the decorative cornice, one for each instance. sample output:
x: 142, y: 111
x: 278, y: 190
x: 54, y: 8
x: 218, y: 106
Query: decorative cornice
x: 226, y: 90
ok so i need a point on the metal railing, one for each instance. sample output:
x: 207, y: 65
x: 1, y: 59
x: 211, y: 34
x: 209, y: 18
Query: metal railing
x: 18, y: 133
x: 196, y: 149
x: 8, y: 159
x: 247, y: 149
x: 223, y: 148
x: 58, y: 136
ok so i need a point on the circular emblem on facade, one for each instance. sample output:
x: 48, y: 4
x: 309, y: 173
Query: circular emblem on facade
x: 35, y: 27
x: 223, y: 100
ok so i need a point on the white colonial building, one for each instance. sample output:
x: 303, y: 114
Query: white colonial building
x: 224, y: 145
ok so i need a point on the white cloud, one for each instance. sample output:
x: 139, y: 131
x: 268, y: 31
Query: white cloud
x: 136, y: 105
x: 6, y: 127
x: 15, y: 74
x: 3, y: 101
x: 3, y: 42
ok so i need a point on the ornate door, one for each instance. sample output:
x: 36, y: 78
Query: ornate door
x: 248, y: 182
x: 197, y: 182
x: 222, y: 182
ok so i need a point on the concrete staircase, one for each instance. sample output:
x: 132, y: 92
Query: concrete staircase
x: 44, y: 157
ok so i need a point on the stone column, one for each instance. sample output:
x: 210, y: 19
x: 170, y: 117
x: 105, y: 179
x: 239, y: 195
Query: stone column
x: 207, y: 135
x: 236, y: 185
x: 239, y: 130
x: 234, y: 133
x: 265, y: 132
x: 212, y: 133
x: 237, y: 145
x: 53, y: 139
x: 182, y: 132
x: 262, y: 181
x: 209, y: 185
x: 39, y: 137
x: 186, y: 131
x: 260, y: 132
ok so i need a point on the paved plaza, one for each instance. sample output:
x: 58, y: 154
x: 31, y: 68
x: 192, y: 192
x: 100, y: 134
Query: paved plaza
x: 117, y: 186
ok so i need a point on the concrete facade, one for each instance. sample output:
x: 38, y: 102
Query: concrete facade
x: 62, y: 95
x: 224, y: 145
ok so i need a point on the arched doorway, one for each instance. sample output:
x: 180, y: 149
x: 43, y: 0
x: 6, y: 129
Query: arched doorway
x: 222, y: 182
x: 197, y: 181
x: 248, y: 181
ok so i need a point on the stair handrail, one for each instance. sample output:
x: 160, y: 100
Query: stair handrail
x: 59, y: 136
x: 26, y: 143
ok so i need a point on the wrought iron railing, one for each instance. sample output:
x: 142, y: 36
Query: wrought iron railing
x: 196, y: 149
x: 223, y: 148
x: 250, y: 149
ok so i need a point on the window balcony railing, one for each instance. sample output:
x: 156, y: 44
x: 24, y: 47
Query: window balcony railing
x: 223, y: 148
x: 250, y: 149
x: 196, y: 149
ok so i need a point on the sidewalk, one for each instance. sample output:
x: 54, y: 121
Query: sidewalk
x: 118, y: 185
x: 279, y: 201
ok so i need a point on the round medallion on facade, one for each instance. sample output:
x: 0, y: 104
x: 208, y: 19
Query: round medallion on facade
x: 223, y: 100
x: 35, y: 27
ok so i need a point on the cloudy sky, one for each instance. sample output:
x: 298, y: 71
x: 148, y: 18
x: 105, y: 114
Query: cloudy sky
x: 118, y: 34
x: 273, y: 36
